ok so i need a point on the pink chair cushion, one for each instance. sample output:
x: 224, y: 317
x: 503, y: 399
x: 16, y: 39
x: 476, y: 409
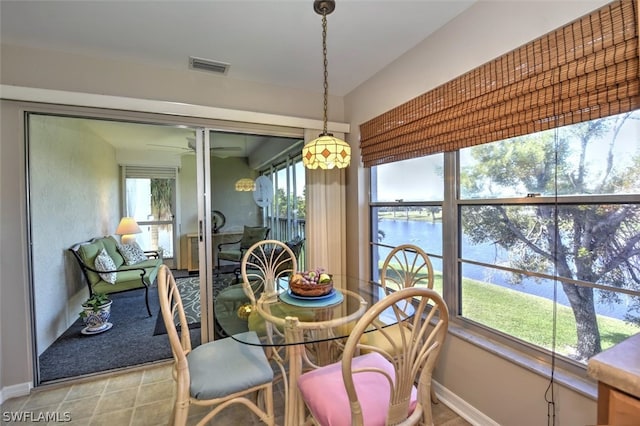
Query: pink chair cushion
x: 326, y: 397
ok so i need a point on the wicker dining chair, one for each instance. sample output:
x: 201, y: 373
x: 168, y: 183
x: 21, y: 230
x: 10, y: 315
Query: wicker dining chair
x: 218, y: 373
x: 378, y: 387
x: 266, y: 268
x: 407, y: 265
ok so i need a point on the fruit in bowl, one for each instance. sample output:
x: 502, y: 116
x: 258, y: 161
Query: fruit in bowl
x: 311, y: 283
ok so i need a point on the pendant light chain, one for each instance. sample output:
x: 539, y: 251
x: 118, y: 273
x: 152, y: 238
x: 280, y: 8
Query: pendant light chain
x: 326, y: 63
x: 325, y: 151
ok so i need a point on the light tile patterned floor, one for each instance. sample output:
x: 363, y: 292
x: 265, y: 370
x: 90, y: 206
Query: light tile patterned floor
x: 142, y: 397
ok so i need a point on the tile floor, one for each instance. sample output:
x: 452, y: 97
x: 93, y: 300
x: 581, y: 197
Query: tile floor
x: 142, y: 397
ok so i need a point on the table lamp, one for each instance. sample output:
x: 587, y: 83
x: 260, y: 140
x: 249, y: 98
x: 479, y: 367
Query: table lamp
x: 126, y: 229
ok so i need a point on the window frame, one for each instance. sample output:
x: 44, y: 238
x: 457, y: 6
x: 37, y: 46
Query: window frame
x: 501, y: 343
x: 153, y: 172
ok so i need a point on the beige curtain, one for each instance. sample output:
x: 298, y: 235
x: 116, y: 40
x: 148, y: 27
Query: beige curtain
x: 326, y: 213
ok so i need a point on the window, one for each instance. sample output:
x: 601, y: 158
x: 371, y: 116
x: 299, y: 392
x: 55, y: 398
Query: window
x: 287, y: 214
x: 549, y: 215
x: 406, y: 207
x: 149, y: 199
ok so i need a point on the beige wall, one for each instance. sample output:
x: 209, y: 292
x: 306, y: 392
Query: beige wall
x: 239, y: 208
x: 508, y: 394
x: 74, y: 187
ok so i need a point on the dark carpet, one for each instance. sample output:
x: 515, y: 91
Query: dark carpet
x: 189, y: 288
x: 133, y: 340
x: 129, y: 342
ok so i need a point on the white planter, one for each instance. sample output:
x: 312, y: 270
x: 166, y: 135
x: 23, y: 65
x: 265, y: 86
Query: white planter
x: 96, y: 321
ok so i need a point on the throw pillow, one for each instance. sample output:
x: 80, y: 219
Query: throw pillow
x: 132, y: 253
x: 104, y: 262
x: 111, y: 244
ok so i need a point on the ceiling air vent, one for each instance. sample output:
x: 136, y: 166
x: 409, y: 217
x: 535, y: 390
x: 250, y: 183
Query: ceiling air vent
x: 208, y: 65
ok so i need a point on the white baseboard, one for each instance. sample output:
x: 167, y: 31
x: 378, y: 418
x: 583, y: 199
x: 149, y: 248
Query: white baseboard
x: 14, y: 391
x: 461, y: 407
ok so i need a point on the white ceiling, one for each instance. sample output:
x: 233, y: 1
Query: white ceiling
x: 268, y: 41
x: 276, y: 42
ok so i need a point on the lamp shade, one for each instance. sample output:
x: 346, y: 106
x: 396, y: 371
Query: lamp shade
x: 326, y: 152
x: 245, y: 184
x: 128, y: 226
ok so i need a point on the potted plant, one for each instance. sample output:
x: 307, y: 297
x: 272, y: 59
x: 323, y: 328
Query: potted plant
x: 95, y: 314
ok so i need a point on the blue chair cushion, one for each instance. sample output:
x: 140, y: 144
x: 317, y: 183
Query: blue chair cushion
x: 225, y: 366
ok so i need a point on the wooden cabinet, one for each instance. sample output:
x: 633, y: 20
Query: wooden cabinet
x: 616, y: 407
x: 618, y: 373
x: 193, y: 263
x: 623, y: 409
x: 192, y: 252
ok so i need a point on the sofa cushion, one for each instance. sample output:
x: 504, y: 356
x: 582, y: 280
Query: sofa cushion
x: 132, y: 253
x: 104, y: 262
x: 149, y: 265
x: 111, y: 245
x: 126, y: 280
x: 88, y: 253
x: 129, y: 277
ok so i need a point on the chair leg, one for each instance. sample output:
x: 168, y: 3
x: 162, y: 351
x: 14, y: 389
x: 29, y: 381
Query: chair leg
x: 266, y: 395
x: 434, y: 397
x: 146, y: 299
x: 180, y: 414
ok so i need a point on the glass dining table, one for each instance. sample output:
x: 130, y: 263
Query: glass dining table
x: 310, y: 331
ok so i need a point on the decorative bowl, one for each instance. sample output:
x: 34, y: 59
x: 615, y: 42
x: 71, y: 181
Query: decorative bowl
x: 300, y: 286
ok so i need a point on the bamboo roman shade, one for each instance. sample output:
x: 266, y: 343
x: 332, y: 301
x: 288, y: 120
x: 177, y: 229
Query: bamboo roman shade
x: 585, y: 70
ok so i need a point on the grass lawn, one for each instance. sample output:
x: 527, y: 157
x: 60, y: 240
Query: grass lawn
x: 529, y: 317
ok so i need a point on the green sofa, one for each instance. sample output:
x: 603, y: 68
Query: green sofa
x: 128, y: 277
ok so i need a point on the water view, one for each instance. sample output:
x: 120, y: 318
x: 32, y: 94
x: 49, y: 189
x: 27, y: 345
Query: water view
x: 428, y: 236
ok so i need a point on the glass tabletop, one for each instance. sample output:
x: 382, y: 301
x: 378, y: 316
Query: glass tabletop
x: 315, y: 319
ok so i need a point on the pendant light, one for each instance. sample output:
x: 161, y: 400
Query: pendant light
x: 245, y: 185
x: 326, y: 151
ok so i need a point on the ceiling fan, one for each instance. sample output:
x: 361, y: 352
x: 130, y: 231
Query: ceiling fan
x: 191, y: 146
x: 191, y: 143
x: 168, y: 147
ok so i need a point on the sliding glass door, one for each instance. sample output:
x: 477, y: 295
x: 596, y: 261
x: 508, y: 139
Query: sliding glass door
x: 86, y: 172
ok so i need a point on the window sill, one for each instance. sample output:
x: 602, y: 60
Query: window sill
x: 582, y: 385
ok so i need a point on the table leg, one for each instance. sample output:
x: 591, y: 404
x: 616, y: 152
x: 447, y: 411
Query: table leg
x: 294, y: 406
x: 323, y: 349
